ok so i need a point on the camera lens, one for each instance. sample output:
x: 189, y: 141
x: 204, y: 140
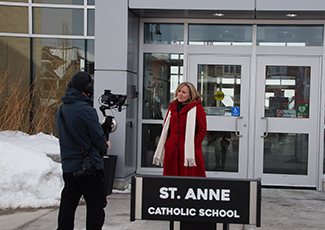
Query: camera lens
x: 80, y: 174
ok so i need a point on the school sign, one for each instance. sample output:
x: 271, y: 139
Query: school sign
x: 196, y: 199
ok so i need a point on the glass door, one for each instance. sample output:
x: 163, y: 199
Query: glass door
x: 223, y: 83
x: 286, y: 121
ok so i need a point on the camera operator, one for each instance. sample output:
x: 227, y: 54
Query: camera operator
x: 83, y: 126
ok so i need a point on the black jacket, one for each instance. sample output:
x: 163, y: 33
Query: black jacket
x: 82, y: 120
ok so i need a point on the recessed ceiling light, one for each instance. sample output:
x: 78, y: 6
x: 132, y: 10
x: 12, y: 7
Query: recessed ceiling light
x: 291, y: 15
x: 218, y: 14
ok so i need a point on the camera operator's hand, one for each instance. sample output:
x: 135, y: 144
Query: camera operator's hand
x: 109, y: 145
x: 103, y: 152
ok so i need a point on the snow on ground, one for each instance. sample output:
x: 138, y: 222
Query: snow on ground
x: 28, y: 177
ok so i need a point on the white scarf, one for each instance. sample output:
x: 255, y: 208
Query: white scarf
x: 158, y: 158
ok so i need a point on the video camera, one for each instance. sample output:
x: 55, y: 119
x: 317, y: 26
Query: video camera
x: 111, y: 101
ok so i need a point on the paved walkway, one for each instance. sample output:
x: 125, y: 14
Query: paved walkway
x: 281, y: 209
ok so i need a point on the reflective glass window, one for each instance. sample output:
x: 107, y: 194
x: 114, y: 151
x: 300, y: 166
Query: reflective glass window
x: 90, y: 56
x: 91, y: 2
x: 56, y: 61
x: 287, y: 91
x: 289, y: 35
x: 14, y: 51
x: 14, y: 83
x: 324, y: 155
x: 220, y: 151
x: 14, y: 19
x: 150, y: 137
x: 61, y: 58
x: 58, y: 21
x: 162, y: 74
x: 13, y: 0
x: 70, y: 2
x: 227, y: 35
x: 91, y: 22
x: 219, y: 87
x: 286, y: 153
x: 157, y: 33
x: 15, y: 56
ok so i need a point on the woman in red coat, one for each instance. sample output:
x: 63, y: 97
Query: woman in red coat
x: 180, y: 146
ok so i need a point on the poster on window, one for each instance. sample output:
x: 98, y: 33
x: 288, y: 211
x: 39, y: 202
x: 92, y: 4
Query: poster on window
x: 303, y: 109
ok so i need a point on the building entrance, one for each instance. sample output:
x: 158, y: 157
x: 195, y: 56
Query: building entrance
x: 287, y: 108
x: 262, y: 126
x: 223, y: 83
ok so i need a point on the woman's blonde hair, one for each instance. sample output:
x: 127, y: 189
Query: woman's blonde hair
x: 194, y: 94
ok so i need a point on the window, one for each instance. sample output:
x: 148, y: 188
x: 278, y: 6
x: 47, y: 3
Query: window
x: 289, y: 35
x: 55, y: 58
x: 58, y: 21
x: 15, y: 18
x: 287, y: 91
x: 91, y: 22
x: 71, y: 2
x: 13, y: 0
x: 227, y: 35
x: 163, y: 33
x: 162, y: 74
x: 219, y: 87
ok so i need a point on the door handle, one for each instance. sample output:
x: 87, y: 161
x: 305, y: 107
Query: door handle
x: 267, y: 127
x: 236, y: 127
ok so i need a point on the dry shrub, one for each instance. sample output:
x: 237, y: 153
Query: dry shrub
x: 29, y: 109
x: 15, y: 104
x: 47, y: 101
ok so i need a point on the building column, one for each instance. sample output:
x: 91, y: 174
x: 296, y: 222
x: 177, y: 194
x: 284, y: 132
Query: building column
x: 116, y: 40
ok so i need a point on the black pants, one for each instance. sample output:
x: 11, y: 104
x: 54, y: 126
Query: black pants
x: 92, y: 189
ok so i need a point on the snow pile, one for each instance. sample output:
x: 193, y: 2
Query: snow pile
x: 28, y: 177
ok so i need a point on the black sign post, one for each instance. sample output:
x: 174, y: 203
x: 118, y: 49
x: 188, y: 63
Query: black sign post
x: 190, y: 201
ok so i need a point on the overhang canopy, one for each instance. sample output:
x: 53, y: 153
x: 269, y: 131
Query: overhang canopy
x: 230, y: 9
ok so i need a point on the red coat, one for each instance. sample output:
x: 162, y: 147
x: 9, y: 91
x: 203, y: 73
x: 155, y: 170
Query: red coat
x: 174, y: 146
